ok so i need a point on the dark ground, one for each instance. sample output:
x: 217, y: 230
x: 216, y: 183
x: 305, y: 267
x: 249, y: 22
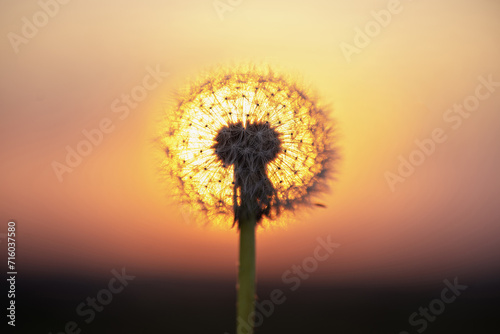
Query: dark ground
x: 170, y: 305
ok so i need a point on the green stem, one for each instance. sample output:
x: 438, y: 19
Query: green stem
x: 246, y: 276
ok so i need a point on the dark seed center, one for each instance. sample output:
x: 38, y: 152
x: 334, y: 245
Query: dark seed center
x: 253, y: 145
x: 249, y: 148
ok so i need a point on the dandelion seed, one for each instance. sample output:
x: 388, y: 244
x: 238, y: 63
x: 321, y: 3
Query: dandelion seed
x: 257, y: 120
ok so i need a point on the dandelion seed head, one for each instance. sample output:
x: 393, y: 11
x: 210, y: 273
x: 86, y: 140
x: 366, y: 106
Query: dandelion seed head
x: 247, y: 133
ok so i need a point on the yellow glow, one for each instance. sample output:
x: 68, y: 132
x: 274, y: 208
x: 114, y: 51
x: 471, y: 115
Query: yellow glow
x: 248, y: 96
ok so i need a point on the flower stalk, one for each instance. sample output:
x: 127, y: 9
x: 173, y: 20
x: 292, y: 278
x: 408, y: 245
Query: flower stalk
x: 246, y: 275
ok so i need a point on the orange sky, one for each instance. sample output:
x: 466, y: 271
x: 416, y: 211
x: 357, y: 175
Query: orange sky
x: 113, y: 209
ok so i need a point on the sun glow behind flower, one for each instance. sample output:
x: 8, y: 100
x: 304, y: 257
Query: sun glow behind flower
x: 246, y: 96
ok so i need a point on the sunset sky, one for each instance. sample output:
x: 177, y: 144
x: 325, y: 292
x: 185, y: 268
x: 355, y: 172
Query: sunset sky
x: 114, y: 209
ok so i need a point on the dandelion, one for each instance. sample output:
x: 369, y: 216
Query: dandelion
x: 245, y: 146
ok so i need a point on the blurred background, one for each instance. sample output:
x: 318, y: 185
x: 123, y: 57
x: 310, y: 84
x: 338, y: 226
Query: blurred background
x: 393, y: 71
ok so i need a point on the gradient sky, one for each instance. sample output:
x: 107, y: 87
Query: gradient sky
x: 114, y: 210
